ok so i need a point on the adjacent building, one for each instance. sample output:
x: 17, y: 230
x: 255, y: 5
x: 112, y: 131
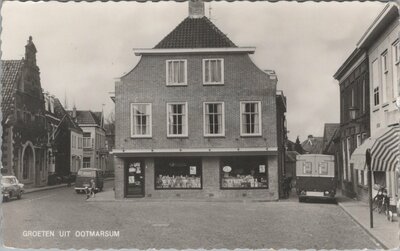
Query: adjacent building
x: 353, y: 77
x: 25, y: 132
x: 95, y: 152
x: 196, y: 118
x: 369, y: 80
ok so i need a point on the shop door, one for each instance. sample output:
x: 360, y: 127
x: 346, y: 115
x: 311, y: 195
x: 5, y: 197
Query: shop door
x: 134, y: 178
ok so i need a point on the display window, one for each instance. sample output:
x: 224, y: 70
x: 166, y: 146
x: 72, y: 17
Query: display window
x: 178, y: 173
x: 244, y: 172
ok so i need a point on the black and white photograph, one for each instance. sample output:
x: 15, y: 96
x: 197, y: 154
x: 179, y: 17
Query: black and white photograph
x: 200, y: 125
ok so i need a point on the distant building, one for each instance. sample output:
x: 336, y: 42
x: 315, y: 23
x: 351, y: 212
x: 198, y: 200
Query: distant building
x: 25, y: 133
x: 313, y: 145
x: 95, y: 152
x: 196, y: 118
x: 66, y: 138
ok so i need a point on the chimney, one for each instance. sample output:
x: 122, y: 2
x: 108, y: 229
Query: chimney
x: 196, y: 8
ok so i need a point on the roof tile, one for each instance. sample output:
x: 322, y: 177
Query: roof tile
x: 10, y: 72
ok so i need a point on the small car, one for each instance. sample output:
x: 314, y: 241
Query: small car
x: 10, y: 187
x: 85, y: 175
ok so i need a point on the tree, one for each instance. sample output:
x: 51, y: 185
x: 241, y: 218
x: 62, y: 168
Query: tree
x: 297, y: 146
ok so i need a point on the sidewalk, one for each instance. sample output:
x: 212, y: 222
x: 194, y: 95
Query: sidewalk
x: 384, y: 231
x: 37, y: 189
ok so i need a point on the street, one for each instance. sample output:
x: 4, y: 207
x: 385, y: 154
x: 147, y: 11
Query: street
x: 177, y: 224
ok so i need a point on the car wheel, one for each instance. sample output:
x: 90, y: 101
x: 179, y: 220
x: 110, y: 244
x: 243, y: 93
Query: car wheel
x: 19, y: 196
x: 301, y: 199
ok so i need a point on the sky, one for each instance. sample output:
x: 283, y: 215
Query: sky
x: 83, y: 48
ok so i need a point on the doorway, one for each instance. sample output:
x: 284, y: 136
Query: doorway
x: 134, y: 178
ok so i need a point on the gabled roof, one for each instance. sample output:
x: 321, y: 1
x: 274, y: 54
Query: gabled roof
x: 87, y: 117
x: 331, y: 131
x: 61, y: 113
x: 313, y: 145
x: 195, y: 33
x: 10, y: 72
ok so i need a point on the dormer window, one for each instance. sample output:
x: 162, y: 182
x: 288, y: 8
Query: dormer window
x: 176, y: 72
x: 213, y: 71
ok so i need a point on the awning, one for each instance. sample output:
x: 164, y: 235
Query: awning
x: 384, y: 145
x: 385, y: 151
x: 358, y: 156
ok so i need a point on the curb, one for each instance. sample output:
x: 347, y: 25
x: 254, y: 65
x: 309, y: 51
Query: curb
x: 39, y: 189
x: 366, y: 229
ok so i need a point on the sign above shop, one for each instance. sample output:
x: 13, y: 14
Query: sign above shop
x: 227, y: 169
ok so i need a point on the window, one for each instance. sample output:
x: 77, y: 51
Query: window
x: 363, y: 95
x: 375, y: 82
x: 86, y: 162
x: 363, y: 137
x: 177, y: 119
x: 396, y: 68
x: 213, y: 71
x: 250, y: 118
x: 348, y: 146
x: 360, y: 179
x: 87, y: 142
x: 141, y: 124
x: 359, y: 140
x: 244, y: 172
x: 344, y: 164
x: 178, y: 173
x: 176, y: 72
x: 307, y: 168
x: 384, y: 76
x: 323, y: 168
x: 214, y: 124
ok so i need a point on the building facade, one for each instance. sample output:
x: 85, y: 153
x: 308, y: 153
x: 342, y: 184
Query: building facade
x: 95, y: 152
x: 197, y: 118
x: 24, y: 138
x: 353, y: 77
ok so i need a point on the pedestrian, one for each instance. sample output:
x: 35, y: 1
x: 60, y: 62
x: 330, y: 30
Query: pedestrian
x: 90, y: 189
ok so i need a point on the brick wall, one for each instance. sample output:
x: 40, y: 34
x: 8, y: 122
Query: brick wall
x: 243, y: 82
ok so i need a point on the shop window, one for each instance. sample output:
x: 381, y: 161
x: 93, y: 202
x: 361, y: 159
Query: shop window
x: 176, y: 72
x: 178, y: 173
x: 250, y: 118
x: 214, y: 119
x: 213, y: 71
x: 244, y: 173
x: 323, y: 168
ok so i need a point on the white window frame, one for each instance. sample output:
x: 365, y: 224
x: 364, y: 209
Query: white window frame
x: 167, y: 72
x: 348, y: 144
x: 222, y: 129
x: 184, y: 133
x: 396, y: 68
x: 204, y: 72
x: 150, y: 129
x: 375, y: 83
x: 385, y: 70
x: 259, y: 119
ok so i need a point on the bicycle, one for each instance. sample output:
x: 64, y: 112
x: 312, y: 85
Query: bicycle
x: 89, y: 192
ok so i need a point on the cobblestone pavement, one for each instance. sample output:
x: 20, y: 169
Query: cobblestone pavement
x: 178, y: 224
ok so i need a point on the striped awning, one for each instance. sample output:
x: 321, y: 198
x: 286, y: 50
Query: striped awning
x: 385, y: 152
x: 357, y: 158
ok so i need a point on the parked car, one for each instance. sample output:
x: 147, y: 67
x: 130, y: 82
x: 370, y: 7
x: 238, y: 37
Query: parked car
x: 10, y: 187
x: 84, y: 176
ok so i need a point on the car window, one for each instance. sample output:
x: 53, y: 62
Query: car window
x: 7, y: 181
x: 87, y: 173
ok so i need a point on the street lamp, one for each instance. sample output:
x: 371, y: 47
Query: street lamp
x: 353, y: 112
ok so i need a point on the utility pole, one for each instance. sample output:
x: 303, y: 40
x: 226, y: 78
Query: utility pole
x: 368, y: 163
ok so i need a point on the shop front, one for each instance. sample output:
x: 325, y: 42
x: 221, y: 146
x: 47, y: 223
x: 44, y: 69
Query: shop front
x: 253, y: 176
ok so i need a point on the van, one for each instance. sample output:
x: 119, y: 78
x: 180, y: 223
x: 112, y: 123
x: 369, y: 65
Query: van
x: 84, y: 176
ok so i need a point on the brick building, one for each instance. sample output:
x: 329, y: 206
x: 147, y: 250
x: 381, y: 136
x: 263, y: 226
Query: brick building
x: 24, y: 139
x: 197, y: 118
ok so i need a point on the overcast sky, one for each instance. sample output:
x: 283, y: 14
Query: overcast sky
x: 84, y: 47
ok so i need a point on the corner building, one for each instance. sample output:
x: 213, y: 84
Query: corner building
x: 196, y: 118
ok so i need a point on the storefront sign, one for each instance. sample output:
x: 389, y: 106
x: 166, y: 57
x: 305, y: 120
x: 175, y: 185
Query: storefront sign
x: 227, y: 169
x: 261, y: 168
x: 192, y: 170
x: 131, y: 179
